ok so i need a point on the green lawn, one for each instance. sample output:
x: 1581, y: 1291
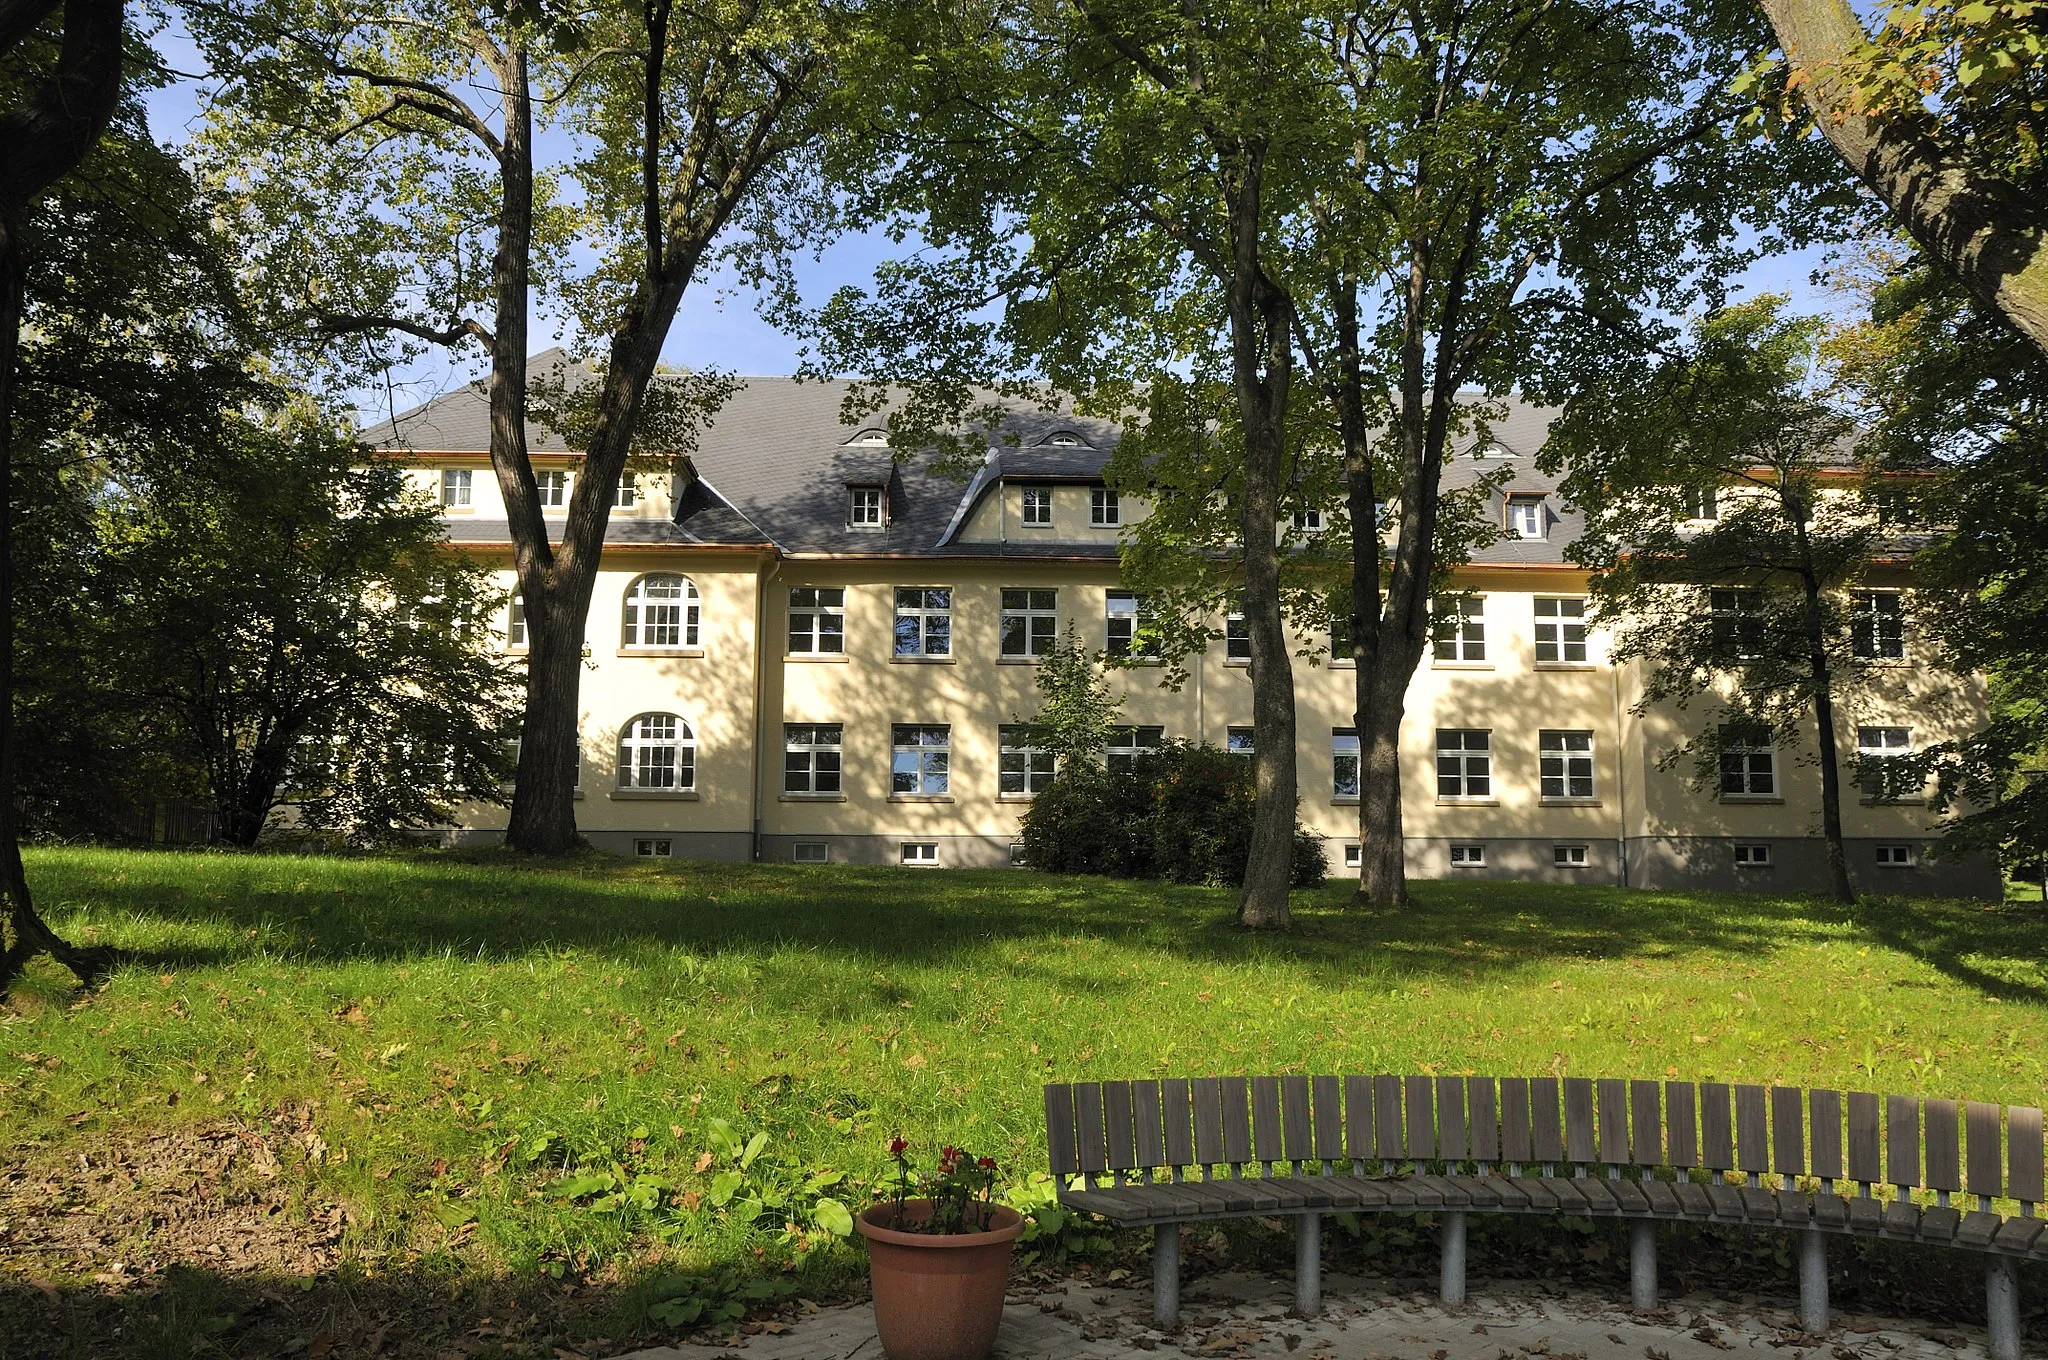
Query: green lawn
x: 430, y: 1011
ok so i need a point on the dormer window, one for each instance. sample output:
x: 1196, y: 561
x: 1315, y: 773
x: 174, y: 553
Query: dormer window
x: 1525, y: 516
x: 553, y: 488
x: 627, y: 494
x: 870, y: 439
x: 1065, y: 439
x: 1038, y: 507
x: 455, y: 488
x: 1701, y: 503
x: 864, y: 507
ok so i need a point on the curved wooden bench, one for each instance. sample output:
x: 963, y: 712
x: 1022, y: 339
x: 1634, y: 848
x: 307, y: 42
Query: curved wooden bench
x: 1163, y: 1153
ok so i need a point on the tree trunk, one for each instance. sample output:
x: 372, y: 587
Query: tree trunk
x: 548, y: 731
x: 1824, y: 723
x: 1979, y: 231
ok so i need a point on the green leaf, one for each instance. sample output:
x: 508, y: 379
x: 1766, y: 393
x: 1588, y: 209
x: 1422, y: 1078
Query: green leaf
x: 833, y: 1217
x: 754, y: 1146
x: 724, y: 1186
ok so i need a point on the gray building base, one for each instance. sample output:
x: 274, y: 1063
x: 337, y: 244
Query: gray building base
x: 955, y: 852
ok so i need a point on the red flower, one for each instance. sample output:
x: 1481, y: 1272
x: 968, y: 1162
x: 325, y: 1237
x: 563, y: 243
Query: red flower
x: 987, y: 1164
x: 897, y: 1147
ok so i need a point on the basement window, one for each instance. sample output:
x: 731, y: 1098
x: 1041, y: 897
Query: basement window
x: 809, y: 852
x: 1752, y: 856
x: 658, y: 847
x: 1468, y: 856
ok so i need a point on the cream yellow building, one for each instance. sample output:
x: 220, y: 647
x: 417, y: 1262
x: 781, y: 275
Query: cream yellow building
x: 808, y: 651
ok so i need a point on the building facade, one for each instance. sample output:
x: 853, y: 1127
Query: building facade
x: 801, y: 649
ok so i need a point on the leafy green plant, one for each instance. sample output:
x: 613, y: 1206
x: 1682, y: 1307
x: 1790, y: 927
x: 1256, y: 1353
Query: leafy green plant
x: 1052, y: 1232
x: 756, y: 1190
x: 718, y: 1299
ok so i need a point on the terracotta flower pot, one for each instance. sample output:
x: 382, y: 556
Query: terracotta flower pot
x: 938, y: 1296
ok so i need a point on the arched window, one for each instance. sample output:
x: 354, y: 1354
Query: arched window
x: 662, y: 611
x: 658, y: 751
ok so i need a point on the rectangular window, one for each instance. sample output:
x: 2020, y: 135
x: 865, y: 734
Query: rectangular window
x: 1468, y: 856
x: 1237, y: 638
x: 1736, y: 620
x: 1526, y: 516
x: 809, y: 852
x: 1129, y: 615
x: 1877, y: 625
x: 1752, y: 856
x: 1308, y: 521
x: 919, y: 760
x: 1105, y: 508
x: 1702, y: 502
x: 817, y: 621
x: 1038, y: 507
x: 924, y: 621
x: 864, y: 507
x: 1340, y: 642
x: 1238, y: 741
x: 919, y: 854
x: 811, y: 757
x: 1877, y: 748
x: 1561, y: 631
x: 1017, y: 860
x: 455, y: 487
x: 626, y: 494
x: 1343, y: 762
x: 1565, y: 763
x: 1464, y: 762
x: 1568, y: 856
x: 515, y: 622
x: 553, y: 488
x: 1024, y: 767
x: 1030, y: 622
x: 1459, y: 626
x: 1894, y: 856
x: 1748, y: 765
x: 1353, y: 857
x: 653, y: 848
x: 1127, y: 744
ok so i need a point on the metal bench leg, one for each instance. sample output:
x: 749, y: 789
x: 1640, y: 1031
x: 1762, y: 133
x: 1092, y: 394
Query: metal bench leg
x: 1308, y: 1266
x: 2002, y: 1307
x: 1642, y: 1263
x: 1813, y: 1280
x: 1166, y: 1275
x: 1452, y: 1285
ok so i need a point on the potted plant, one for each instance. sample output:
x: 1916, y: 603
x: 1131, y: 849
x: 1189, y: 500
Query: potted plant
x: 939, y: 1260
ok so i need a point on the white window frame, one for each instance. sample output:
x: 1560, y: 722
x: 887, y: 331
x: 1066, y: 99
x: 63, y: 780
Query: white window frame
x: 1466, y: 855
x: 458, y: 488
x: 1354, y: 855
x: 1024, y: 765
x: 1877, y: 625
x: 1346, y: 765
x: 1896, y: 856
x: 1564, y: 762
x: 1458, y: 629
x: 821, y: 748
x: 1561, y: 628
x: 918, y: 854
x: 1036, y: 612
x: 515, y: 623
x: 1754, y: 770
x: 552, y: 486
x: 1526, y: 517
x: 1735, y: 618
x: 920, y: 760
x: 867, y: 507
x: 1464, y: 764
x: 928, y: 610
x: 1309, y: 522
x: 1702, y: 503
x: 1036, y: 511
x: 812, y: 612
x: 1752, y: 855
x: 658, y: 752
x: 1017, y: 859
x: 1238, y: 741
x: 654, y: 847
x: 1237, y: 638
x: 821, y: 853
x: 648, y: 618
x: 1105, y: 508
x: 1128, y: 742
x: 1875, y: 745
x: 1125, y: 614
x: 626, y: 495
x: 1569, y: 856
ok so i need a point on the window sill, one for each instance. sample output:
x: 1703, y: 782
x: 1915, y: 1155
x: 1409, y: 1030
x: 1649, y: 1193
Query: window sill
x: 508, y: 788
x: 1761, y: 799
x: 1566, y: 666
x: 458, y: 510
x: 1467, y: 802
x: 1342, y: 663
x: 1461, y: 665
x: 1024, y: 525
x: 1339, y: 799
x: 1242, y: 663
x: 1016, y: 797
x: 1133, y: 662
x: 810, y: 797
x: 1568, y: 802
x: 653, y: 795
x: 924, y: 660
x: 920, y: 797
x: 816, y: 658
x: 662, y: 651
x: 1017, y: 661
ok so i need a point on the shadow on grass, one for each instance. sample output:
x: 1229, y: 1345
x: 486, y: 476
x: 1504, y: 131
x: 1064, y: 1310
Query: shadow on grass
x: 490, y: 905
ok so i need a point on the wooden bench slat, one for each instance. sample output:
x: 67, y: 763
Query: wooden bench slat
x: 1180, y: 1142
x: 1866, y: 1140
x: 1717, y: 1141
x: 1297, y: 1136
x: 1208, y: 1105
x: 1944, y: 1145
x: 1266, y: 1140
x: 1421, y: 1121
x: 1119, y: 1126
x: 1902, y: 1141
x: 1646, y: 1124
x: 1544, y: 1130
x: 1237, y: 1120
x: 1752, y: 1132
x: 1578, y: 1119
x: 1515, y: 1145
x: 1682, y: 1123
x: 1613, y: 1101
x: 1145, y: 1104
x: 1386, y: 1118
x: 2023, y: 1149
x: 1825, y: 1110
x: 1327, y: 1095
x: 1788, y: 1131
x: 1088, y: 1126
x: 1986, y: 1159
x: 1059, y: 1129
x: 1483, y: 1119
x: 1358, y: 1124
x: 1452, y: 1144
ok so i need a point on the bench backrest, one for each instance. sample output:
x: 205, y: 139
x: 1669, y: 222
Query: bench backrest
x: 1134, y: 1131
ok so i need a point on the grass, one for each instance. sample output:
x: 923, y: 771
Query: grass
x: 460, y: 1031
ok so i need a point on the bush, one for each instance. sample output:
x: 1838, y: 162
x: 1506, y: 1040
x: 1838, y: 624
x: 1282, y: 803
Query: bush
x: 1183, y: 815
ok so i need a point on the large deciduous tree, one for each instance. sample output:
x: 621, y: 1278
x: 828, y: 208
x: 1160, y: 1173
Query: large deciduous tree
x: 390, y: 166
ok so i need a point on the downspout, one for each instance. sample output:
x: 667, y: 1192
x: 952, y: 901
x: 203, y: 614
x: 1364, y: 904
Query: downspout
x: 761, y: 690
x: 1620, y: 777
